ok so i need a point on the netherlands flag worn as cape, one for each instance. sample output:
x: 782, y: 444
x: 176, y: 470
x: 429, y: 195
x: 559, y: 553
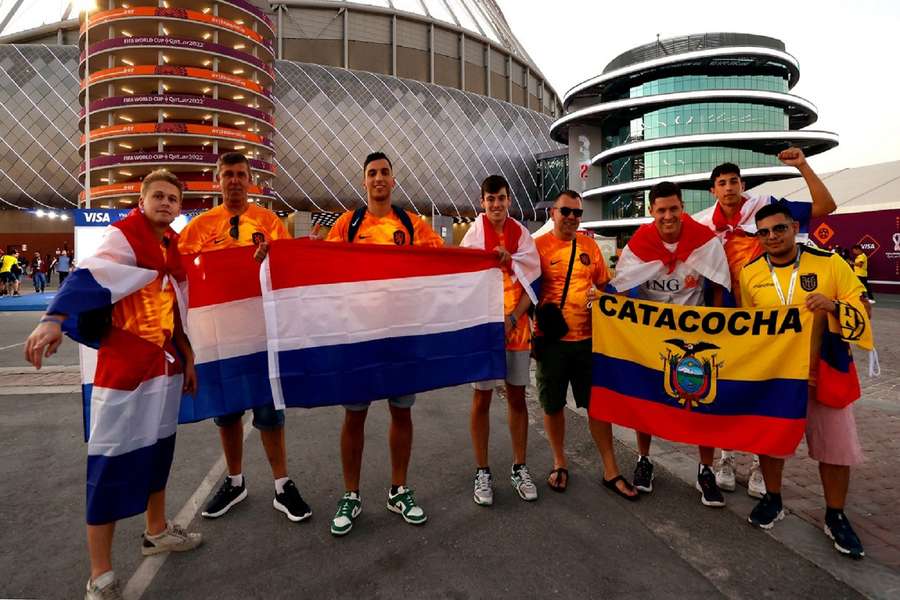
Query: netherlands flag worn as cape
x: 131, y: 387
x: 352, y: 323
x: 526, y: 262
x: 646, y: 258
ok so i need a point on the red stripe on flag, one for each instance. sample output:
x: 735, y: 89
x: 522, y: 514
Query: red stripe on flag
x: 836, y: 388
x: 761, y: 435
x: 301, y: 262
x: 221, y: 276
x: 124, y: 361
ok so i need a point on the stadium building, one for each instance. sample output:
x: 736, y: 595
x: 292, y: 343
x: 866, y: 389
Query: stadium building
x: 305, y: 88
x: 673, y: 110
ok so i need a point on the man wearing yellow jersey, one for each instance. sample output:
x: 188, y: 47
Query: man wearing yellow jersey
x: 234, y: 223
x: 788, y: 273
x: 496, y: 231
x: 568, y: 360
x: 379, y: 223
x: 9, y: 284
x: 732, y: 219
x: 861, y: 270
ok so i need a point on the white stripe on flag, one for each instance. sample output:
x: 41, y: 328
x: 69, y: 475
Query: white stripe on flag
x: 227, y: 330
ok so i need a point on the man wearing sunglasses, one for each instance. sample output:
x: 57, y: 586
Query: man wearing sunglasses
x: 234, y: 223
x: 560, y: 362
x: 732, y: 219
x: 788, y: 273
x: 379, y: 222
x: 674, y: 260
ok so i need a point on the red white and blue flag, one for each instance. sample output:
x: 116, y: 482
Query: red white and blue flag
x: 352, y: 323
x: 526, y: 262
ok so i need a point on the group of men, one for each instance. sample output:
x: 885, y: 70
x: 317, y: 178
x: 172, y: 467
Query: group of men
x: 758, y: 240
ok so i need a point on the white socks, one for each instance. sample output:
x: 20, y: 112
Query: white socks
x: 237, y: 480
x: 279, y: 484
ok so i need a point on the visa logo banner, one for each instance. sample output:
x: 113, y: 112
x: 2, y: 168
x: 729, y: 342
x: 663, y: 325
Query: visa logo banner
x: 726, y: 378
x: 98, y: 217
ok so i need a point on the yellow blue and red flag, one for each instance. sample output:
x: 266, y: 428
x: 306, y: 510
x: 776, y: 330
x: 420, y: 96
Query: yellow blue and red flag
x: 727, y: 378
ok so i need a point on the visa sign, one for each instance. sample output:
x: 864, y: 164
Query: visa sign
x: 98, y: 217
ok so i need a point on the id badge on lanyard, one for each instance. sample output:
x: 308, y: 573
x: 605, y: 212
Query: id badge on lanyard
x: 793, y: 282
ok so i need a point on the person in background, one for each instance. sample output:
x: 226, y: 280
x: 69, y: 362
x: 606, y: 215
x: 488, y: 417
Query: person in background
x: 37, y: 269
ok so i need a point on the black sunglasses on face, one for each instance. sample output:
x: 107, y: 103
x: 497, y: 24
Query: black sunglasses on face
x: 779, y: 229
x: 566, y: 211
x: 234, y: 231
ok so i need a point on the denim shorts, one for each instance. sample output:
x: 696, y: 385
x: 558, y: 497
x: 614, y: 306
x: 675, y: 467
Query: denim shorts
x: 265, y: 418
x: 398, y: 402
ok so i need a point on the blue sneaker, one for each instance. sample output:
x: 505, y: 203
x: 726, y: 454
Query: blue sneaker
x: 845, y: 539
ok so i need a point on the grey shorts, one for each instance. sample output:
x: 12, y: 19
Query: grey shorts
x: 265, y: 418
x: 398, y: 402
x: 518, y: 364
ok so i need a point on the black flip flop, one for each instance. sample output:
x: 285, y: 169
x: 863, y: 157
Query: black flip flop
x: 560, y: 472
x: 611, y: 484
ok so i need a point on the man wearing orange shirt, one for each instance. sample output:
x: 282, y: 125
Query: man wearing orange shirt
x: 566, y: 255
x: 236, y: 222
x: 496, y: 231
x: 379, y: 222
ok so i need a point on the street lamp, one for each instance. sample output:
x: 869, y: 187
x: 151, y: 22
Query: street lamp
x: 86, y: 6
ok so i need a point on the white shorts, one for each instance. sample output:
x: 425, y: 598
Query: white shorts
x: 518, y: 364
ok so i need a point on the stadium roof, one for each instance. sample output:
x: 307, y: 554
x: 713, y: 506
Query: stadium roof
x: 855, y: 190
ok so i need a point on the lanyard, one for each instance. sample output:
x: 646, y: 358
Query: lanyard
x: 792, y: 284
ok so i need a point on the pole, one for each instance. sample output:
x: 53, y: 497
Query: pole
x: 87, y: 108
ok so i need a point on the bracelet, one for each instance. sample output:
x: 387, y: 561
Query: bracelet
x: 51, y: 319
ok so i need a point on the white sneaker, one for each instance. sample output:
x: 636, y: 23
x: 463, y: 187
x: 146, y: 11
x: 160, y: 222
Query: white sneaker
x: 484, y: 489
x: 756, y: 485
x: 725, y: 472
x: 173, y: 539
x: 523, y: 484
x: 105, y: 587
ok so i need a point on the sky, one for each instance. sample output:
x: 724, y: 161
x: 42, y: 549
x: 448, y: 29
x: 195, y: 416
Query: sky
x: 849, y: 54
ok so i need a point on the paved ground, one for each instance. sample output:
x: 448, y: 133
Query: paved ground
x: 585, y: 542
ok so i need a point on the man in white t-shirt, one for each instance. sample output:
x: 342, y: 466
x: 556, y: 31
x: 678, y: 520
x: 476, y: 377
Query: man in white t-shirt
x: 673, y: 260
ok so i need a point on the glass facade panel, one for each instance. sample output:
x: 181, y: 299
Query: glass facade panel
x: 682, y: 161
x: 553, y: 177
x: 709, y: 117
x: 691, y: 83
x: 632, y: 205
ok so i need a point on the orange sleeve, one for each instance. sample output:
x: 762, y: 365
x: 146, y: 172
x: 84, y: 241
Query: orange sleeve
x: 425, y: 235
x: 192, y: 237
x: 277, y: 230
x: 339, y: 230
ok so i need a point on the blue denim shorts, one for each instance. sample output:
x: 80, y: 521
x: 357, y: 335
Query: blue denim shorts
x: 265, y: 418
x: 398, y: 402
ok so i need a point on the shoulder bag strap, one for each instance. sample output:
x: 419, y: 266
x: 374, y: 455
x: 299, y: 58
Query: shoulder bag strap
x: 562, y: 301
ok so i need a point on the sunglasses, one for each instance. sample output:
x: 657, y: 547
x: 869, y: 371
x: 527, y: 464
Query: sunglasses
x: 566, y: 211
x: 779, y: 229
x: 234, y: 232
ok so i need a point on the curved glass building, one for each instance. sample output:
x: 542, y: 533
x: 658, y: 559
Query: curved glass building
x: 306, y: 88
x: 676, y: 108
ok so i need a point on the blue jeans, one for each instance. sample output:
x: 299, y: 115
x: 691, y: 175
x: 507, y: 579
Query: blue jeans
x: 40, y: 282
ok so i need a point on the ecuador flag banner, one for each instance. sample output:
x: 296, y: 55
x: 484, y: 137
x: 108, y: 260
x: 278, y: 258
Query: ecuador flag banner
x: 726, y: 378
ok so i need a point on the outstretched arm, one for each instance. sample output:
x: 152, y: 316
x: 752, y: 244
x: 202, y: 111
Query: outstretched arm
x: 823, y: 203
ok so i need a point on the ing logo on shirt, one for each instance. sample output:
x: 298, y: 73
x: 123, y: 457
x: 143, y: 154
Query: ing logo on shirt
x: 691, y: 282
x: 399, y: 237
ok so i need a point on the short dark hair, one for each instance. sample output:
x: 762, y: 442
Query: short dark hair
x: 232, y: 158
x: 372, y: 157
x: 724, y: 169
x: 492, y: 184
x: 570, y: 193
x: 770, y: 210
x: 664, y: 189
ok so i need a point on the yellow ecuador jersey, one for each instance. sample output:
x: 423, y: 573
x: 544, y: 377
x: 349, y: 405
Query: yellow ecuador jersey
x: 6, y: 262
x: 588, y: 270
x: 861, y: 265
x: 213, y: 229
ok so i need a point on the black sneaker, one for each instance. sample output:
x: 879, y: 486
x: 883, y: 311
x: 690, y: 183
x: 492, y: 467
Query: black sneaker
x: 227, y: 496
x: 291, y: 503
x: 766, y: 512
x: 710, y: 495
x: 845, y: 539
x: 643, y: 475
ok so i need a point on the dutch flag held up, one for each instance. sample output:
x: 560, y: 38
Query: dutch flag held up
x: 353, y: 323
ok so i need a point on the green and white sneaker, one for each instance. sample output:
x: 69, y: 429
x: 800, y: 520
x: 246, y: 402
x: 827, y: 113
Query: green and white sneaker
x: 404, y: 503
x: 349, y: 507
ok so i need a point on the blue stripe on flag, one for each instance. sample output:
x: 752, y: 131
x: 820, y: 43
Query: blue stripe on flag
x: 782, y: 398
x: 79, y: 293
x: 118, y: 486
x: 227, y: 386
x: 391, y: 367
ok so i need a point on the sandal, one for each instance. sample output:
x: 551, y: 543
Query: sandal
x: 561, y: 472
x: 611, y: 484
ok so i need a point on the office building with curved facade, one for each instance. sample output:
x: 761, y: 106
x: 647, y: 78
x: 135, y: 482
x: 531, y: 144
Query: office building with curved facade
x: 676, y: 108
x: 305, y: 88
